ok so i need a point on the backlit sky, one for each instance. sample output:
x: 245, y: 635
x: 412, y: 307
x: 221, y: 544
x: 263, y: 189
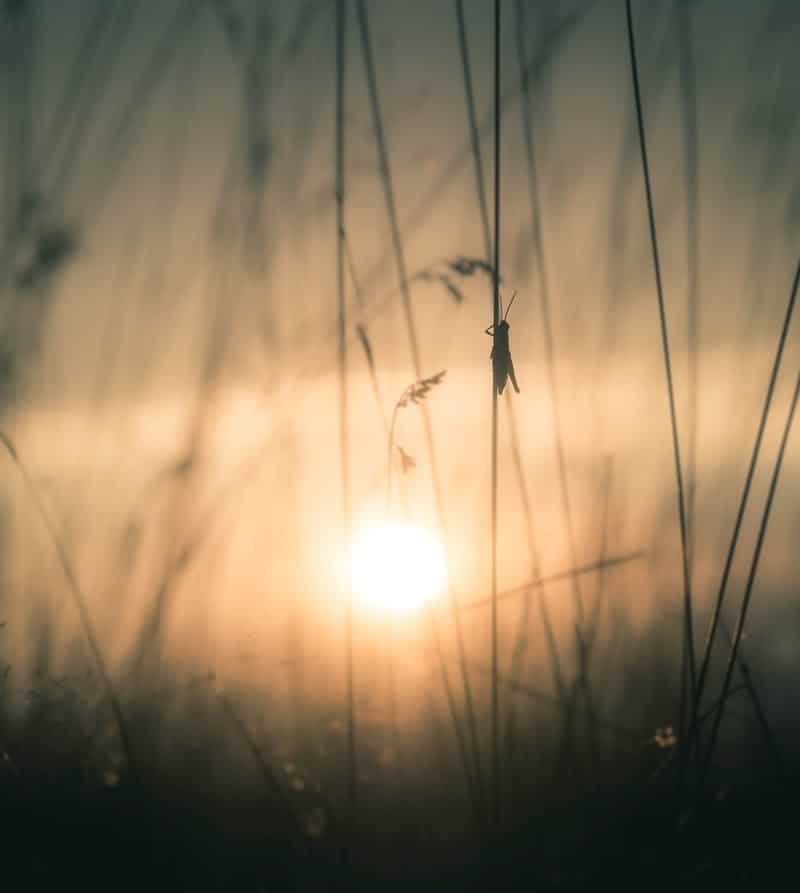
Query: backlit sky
x: 189, y: 265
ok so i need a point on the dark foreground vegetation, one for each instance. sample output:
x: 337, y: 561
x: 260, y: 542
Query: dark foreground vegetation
x: 207, y: 811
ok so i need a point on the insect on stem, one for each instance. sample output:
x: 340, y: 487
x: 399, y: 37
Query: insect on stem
x: 502, y: 364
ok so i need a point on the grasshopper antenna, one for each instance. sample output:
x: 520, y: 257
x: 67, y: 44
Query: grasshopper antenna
x: 509, y: 305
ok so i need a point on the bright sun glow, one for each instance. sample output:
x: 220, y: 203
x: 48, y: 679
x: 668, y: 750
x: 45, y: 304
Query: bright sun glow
x: 396, y: 567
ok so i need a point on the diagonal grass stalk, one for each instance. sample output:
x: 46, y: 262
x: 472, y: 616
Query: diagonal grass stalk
x: 762, y: 424
x: 748, y: 592
x: 82, y: 607
x: 402, y: 274
x: 581, y: 685
x: 689, y: 651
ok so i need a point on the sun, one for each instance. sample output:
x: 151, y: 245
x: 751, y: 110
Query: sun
x: 396, y: 567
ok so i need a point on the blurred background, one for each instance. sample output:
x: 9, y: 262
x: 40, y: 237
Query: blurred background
x: 168, y: 380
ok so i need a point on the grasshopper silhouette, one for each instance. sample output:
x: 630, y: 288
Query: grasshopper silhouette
x: 502, y: 364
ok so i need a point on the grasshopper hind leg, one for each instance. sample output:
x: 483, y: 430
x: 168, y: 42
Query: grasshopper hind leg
x: 511, y: 374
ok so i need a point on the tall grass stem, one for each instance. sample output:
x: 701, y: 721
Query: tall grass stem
x: 344, y: 444
x: 676, y: 450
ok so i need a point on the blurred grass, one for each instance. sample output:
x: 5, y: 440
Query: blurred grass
x: 166, y: 358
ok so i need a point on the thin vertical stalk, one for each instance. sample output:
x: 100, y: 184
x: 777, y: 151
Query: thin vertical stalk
x: 60, y: 160
x: 225, y: 296
x: 582, y: 683
x: 588, y: 639
x: 597, y: 608
x: 687, y: 83
x: 475, y: 139
x: 495, y: 746
x: 75, y: 81
x: 474, y: 788
x: 18, y: 77
x: 521, y: 638
x: 399, y: 256
x: 690, y: 147
x: 484, y: 214
x: 520, y: 646
x: 122, y: 138
x: 389, y: 456
x: 687, y: 584
x: 748, y: 592
x: 592, y: 628
x: 344, y: 446
x: 689, y: 93
x: 758, y: 708
x: 451, y: 168
x: 361, y: 330
x: 26, y: 98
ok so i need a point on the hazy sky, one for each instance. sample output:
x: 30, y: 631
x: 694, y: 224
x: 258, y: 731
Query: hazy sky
x: 189, y: 148
x: 154, y: 97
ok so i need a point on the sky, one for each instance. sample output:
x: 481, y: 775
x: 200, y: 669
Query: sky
x: 186, y: 149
